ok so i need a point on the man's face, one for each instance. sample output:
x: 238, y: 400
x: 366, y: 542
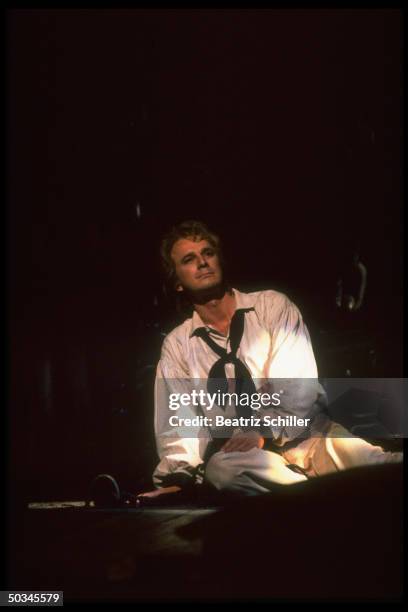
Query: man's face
x: 197, y: 265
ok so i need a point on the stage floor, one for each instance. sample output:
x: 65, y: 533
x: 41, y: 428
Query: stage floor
x: 336, y: 537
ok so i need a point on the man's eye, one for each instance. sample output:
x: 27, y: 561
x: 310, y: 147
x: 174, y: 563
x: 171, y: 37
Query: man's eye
x: 209, y: 252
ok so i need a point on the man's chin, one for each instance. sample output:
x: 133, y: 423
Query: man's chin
x: 213, y: 291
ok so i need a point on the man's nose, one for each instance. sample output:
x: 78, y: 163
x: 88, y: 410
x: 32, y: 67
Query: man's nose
x: 202, y: 262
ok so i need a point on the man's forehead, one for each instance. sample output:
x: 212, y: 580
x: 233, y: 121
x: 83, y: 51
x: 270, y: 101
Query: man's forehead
x: 185, y: 245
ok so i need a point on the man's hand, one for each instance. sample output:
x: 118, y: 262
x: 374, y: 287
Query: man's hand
x: 244, y: 442
x: 162, y: 491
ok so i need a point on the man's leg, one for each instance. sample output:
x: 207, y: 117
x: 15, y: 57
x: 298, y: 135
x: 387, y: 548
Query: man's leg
x: 338, y: 450
x: 252, y: 472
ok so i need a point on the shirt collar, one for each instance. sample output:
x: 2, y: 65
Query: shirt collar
x: 242, y: 300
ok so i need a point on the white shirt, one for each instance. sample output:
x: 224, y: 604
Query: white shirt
x: 275, y: 345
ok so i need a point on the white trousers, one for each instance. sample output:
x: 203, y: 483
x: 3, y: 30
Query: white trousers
x: 257, y: 471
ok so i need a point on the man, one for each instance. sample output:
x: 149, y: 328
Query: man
x: 255, y: 337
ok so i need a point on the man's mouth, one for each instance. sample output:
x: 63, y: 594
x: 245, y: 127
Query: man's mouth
x: 205, y: 274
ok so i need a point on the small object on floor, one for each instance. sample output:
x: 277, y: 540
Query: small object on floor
x: 106, y: 493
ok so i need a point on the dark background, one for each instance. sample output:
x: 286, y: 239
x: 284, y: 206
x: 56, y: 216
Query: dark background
x: 282, y: 129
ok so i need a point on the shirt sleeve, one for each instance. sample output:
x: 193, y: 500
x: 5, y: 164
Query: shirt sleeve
x: 292, y: 370
x: 179, y: 452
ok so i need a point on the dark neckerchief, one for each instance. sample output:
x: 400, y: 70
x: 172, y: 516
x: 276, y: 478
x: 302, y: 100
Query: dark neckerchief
x: 217, y: 380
